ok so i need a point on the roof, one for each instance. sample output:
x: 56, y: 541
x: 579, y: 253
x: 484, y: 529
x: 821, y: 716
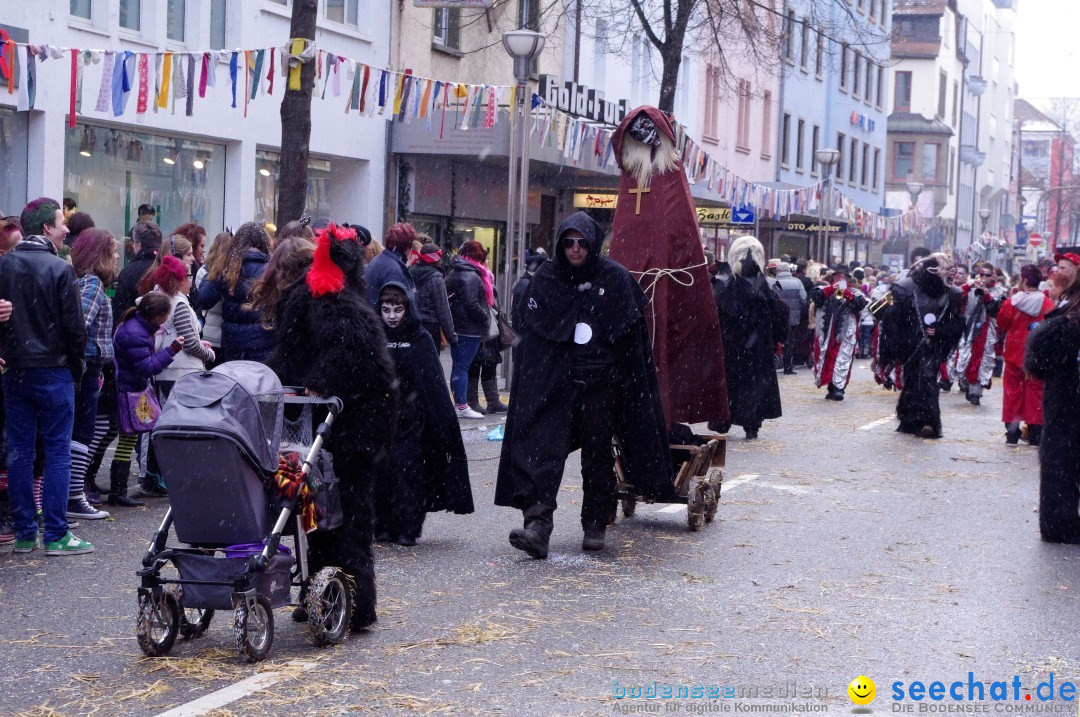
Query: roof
x: 922, y: 7
x: 914, y: 123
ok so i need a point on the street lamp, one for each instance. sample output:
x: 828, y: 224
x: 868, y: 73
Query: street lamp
x: 984, y: 214
x: 914, y: 190
x: 826, y: 158
x: 522, y: 46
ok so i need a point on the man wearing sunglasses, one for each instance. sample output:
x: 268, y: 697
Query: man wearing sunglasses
x: 584, y: 374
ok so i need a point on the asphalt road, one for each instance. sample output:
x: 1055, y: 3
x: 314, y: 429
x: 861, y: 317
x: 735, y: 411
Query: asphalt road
x: 841, y: 548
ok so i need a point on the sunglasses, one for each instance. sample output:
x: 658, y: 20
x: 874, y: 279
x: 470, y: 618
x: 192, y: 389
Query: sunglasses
x: 570, y: 242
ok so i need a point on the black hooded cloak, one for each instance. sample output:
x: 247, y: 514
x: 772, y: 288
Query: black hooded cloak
x: 1053, y: 354
x: 428, y: 470
x: 334, y: 345
x: 604, y: 295
x: 903, y: 340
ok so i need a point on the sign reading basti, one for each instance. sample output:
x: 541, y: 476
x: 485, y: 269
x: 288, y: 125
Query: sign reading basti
x: 598, y: 200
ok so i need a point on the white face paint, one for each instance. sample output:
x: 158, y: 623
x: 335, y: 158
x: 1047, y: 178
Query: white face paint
x: 393, y: 314
x: 582, y: 334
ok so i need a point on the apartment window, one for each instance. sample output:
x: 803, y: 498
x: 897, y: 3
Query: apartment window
x: 131, y: 14
x: 862, y: 4
x: 930, y: 152
x: 804, y: 49
x: 218, y: 18
x: 785, y: 142
x: 942, y: 94
x: 346, y: 12
x: 856, y: 80
x: 903, y: 161
x: 447, y: 27
x: 873, y: 10
x: 789, y: 37
x: 869, y: 81
x: 819, y: 53
x: 843, y: 67
x: 902, y: 98
x: 712, y: 100
x: 82, y: 8
x: 880, y: 85
x: 952, y: 168
x: 799, y: 132
x: 175, y: 19
x: 955, y: 100
x: 529, y: 19
x: 865, y: 166
x: 815, y: 143
x: 877, y: 163
x: 841, y: 157
x: 742, y: 129
x: 766, y: 125
x: 853, y: 161
x: 883, y: 16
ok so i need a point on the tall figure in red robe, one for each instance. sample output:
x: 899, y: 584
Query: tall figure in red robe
x: 655, y: 235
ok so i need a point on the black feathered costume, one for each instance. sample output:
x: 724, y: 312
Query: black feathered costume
x: 905, y: 339
x: 428, y: 470
x: 330, y: 341
x: 554, y: 375
x: 1053, y: 354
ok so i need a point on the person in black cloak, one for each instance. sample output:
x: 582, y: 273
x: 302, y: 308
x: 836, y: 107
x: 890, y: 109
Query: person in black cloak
x: 918, y: 331
x: 1053, y: 354
x: 584, y: 374
x: 331, y: 342
x: 428, y: 470
x: 754, y: 319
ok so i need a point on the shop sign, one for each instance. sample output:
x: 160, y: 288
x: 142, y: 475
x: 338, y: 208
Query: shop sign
x: 713, y: 215
x: 863, y: 121
x: 595, y: 201
x: 812, y: 228
x: 580, y: 101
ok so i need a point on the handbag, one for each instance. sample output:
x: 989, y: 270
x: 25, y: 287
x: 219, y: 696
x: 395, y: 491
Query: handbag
x: 493, y: 324
x: 507, y: 335
x: 137, y: 412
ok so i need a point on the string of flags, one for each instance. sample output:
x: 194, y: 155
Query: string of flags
x: 173, y: 81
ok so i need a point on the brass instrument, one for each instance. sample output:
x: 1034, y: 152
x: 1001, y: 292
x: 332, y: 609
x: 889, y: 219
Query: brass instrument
x: 876, y: 307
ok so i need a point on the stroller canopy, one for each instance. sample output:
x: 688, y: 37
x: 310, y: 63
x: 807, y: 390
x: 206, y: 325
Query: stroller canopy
x: 240, y: 400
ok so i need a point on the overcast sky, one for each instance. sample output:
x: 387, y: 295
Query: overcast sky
x: 1047, y: 49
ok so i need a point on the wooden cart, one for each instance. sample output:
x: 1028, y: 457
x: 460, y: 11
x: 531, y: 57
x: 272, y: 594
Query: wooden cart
x: 698, y: 478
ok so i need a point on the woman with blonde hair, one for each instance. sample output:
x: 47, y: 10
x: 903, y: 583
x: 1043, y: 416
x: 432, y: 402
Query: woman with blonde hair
x: 213, y: 269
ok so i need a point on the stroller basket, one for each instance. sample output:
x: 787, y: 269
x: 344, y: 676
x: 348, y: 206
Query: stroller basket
x: 275, y: 583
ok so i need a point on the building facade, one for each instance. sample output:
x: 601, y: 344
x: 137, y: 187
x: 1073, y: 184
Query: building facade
x: 217, y: 166
x: 1046, y: 170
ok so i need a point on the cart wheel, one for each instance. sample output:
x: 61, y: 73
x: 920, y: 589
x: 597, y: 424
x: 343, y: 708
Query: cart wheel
x: 695, y: 505
x: 158, y: 624
x: 629, y: 506
x: 329, y: 603
x: 254, y: 629
x: 716, y: 480
x: 193, y: 621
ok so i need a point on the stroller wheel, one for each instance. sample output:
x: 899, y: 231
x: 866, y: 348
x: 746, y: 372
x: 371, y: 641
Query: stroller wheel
x: 158, y: 623
x: 716, y: 480
x: 695, y: 504
x: 254, y: 629
x: 329, y: 604
x: 193, y: 620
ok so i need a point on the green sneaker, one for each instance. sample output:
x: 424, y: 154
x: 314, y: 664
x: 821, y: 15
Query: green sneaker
x: 25, y: 546
x: 68, y: 545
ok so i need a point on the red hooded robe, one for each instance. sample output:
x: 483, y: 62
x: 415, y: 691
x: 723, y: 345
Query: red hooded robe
x: 687, y: 345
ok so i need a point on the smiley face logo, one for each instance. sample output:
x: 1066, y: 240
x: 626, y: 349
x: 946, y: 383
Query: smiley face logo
x: 862, y: 690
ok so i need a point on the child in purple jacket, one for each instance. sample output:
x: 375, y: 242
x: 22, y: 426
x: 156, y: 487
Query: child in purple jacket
x: 136, y: 363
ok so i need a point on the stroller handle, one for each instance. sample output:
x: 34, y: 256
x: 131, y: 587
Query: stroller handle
x: 297, y: 395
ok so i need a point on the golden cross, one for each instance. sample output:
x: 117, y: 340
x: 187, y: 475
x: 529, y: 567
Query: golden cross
x: 639, y: 191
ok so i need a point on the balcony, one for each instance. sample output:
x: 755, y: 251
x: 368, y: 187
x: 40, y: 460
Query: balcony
x: 971, y: 155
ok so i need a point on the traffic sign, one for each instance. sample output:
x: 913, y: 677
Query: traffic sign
x: 742, y: 215
x: 1035, y: 239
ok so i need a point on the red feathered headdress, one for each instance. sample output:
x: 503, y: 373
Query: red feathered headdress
x: 326, y: 277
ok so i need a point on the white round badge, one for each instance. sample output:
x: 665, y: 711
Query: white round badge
x: 582, y: 334
x: 929, y: 319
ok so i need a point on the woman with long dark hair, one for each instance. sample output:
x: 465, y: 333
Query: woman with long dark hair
x: 289, y: 263
x: 242, y: 334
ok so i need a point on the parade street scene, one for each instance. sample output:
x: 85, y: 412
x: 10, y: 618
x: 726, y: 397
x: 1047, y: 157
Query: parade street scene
x: 539, y: 357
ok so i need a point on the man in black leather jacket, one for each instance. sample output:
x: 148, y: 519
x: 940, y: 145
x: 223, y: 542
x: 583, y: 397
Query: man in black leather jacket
x: 43, y: 345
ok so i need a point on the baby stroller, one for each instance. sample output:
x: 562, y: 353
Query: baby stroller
x: 217, y: 442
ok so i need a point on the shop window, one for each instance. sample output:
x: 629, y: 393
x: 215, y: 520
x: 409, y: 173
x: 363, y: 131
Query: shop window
x: 176, y: 20
x: 267, y: 170
x: 109, y: 172
x: 903, y: 160
x: 131, y: 15
x: 447, y: 27
x: 82, y: 8
x: 14, y: 144
x: 346, y: 12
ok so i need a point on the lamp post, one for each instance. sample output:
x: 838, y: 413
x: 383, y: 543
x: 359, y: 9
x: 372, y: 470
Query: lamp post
x: 826, y: 158
x: 984, y: 215
x: 914, y: 190
x: 522, y: 46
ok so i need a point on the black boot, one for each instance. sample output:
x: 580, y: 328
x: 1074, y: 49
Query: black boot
x: 534, y: 537
x: 1012, y: 435
x: 1034, y: 435
x: 473, y: 393
x: 118, y: 485
x: 594, y: 538
x: 491, y: 395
